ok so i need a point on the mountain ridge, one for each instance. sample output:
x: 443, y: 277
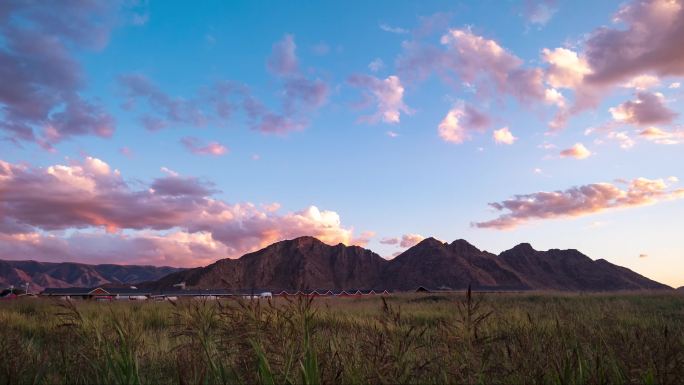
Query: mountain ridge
x: 40, y: 275
x: 308, y: 263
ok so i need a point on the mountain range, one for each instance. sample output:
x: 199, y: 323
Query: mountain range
x: 40, y: 275
x: 307, y: 263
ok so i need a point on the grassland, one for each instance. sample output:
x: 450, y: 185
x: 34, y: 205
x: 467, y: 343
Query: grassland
x: 489, y: 338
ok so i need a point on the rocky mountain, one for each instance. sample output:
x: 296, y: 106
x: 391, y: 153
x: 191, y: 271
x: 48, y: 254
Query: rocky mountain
x: 300, y: 263
x: 307, y: 263
x: 40, y: 275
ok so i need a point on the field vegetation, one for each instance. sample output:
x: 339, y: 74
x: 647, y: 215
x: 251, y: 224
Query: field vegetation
x: 538, y: 338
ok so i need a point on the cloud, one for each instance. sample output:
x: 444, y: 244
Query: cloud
x: 89, y: 196
x: 579, y: 201
x: 643, y: 47
x: 390, y: 29
x: 623, y: 138
x: 409, y: 240
x: 648, y: 40
x: 660, y: 136
x: 376, y: 65
x: 539, y: 12
x: 647, y: 109
x: 212, y: 148
x: 577, y: 151
x: 566, y: 69
x: 481, y: 61
x: 168, y: 110
x: 390, y: 241
x: 300, y: 97
x: 504, y: 136
x: 675, y: 85
x: 283, y: 60
x: 642, y: 82
x: 40, y: 98
x: 387, y: 94
x: 405, y: 241
x: 392, y: 134
x: 460, y: 122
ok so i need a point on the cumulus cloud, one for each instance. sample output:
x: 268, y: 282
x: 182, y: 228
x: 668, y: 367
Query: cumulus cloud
x: 460, y: 122
x: 212, y: 148
x: 504, y: 136
x: 40, y: 98
x: 579, y: 201
x: 481, y: 61
x: 90, y: 195
x: 647, y: 109
x: 387, y: 94
x: 647, y: 40
x: 577, y: 151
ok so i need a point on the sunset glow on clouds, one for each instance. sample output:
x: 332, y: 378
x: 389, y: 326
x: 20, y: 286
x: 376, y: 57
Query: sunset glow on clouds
x: 90, y: 195
x: 579, y: 201
x: 408, y: 123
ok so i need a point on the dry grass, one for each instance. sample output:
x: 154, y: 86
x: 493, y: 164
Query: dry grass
x: 543, y: 338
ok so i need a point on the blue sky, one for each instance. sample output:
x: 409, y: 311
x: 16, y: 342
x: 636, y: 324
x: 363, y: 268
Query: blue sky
x: 364, y: 145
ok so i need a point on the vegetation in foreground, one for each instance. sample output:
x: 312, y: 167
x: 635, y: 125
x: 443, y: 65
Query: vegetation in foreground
x: 492, y: 338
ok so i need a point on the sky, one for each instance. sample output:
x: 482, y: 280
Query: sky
x: 170, y: 133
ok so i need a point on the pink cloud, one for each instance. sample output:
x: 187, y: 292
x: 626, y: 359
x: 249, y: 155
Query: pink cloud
x: 283, y: 60
x: 647, y: 109
x: 40, y: 95
x: 300, y: 97
x: 579, y: 201
x: 409, y: 240
x: 405, y: 241
x: 388, y: 95
x: 648, y: 41
x: 577, y: 151
x: 460, y: 122
x: 168, y: 110
x: 661, y: 136
x: 212, y: 148
x: 504, y: 136
x: 390, y: 241
x: 483, y: 62
x: 89, y: 195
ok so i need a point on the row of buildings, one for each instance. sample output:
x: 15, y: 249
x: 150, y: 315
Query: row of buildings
x: 133, y: 293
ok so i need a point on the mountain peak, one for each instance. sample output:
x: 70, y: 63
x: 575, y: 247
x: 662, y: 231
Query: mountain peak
x: 429, y: 242
x: 524, y: 248
x: 464, y: 246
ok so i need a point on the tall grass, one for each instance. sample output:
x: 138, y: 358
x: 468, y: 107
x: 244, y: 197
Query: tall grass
x: 540, y: 338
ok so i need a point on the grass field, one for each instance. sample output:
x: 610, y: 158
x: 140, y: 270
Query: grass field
x: 488, y: 338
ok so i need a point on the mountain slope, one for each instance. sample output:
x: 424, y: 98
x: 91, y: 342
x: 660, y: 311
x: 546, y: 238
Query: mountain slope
x: 307, y: 263
x: 40, y: 275
x: 571, y: 270
x: 300, y: 263
x: 456, y: 265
